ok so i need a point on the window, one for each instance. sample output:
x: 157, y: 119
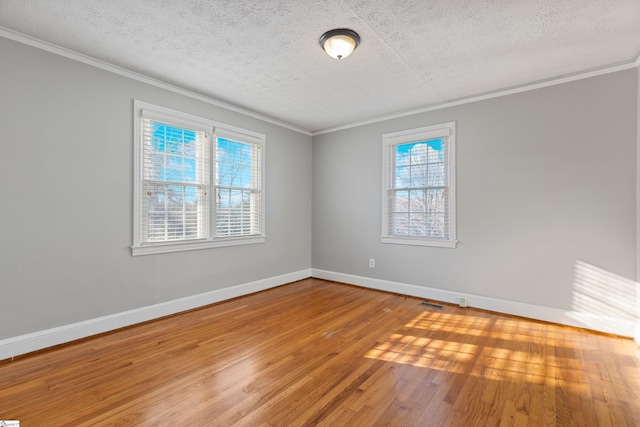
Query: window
x: 238, y: 183
x: 419, y: 186
x: 198, y: 183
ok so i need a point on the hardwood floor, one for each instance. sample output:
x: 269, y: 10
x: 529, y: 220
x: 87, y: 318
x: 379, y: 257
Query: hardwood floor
x: 321, y: 353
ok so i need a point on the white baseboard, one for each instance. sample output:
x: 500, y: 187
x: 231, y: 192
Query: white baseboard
x: 23, y: 344
x: 27, y: 343
x: 622, y: 327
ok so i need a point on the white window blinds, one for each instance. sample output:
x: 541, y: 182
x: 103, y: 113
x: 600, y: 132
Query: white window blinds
x: 238, y: 186
x: 197, y: 183
x: 175, y: 182
x: 419, y: 201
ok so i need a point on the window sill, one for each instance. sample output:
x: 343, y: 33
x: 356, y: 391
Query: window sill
x: 161, y: 248
x: 417, y: 241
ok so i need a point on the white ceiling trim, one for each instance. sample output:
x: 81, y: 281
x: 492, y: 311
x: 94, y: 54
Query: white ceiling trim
x: 489, y: 95
x: 85, y: 59
x: 76, y: 56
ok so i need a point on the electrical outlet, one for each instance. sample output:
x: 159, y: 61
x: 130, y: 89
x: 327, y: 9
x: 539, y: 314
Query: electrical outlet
x: 372, y: 263
x: 463, y: 302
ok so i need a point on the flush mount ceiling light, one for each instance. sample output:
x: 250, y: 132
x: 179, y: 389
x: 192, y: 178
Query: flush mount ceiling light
x: 339, y: 43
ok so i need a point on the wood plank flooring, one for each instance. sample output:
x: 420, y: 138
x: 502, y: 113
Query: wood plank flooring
x: 322, y: 353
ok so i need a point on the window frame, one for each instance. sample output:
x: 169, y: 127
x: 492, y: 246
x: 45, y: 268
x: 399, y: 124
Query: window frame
x: 393, y: 139
x: 214, y: 130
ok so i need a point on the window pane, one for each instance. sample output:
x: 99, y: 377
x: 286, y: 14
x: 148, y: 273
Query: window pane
x: 419, y: 153
x: 238, y: 201
x: 417, y: 224
x: 421, y: 168
x: 154, y: 166
x: 237, y: 212
x: 189, y: 170
x: 436, y: 201
x: 172, y: 153
x: 173, y: 212
x: 436, y: 148
x: 235, y: 162
x: 400, y: 201
x: 436, y: 225
x: 403, y: 177
x: 173, y: 168
x: 176, y: 172
x: 399, y: 224
x: 436, y: 175
x: 402, y: 154
x: 417, y: 202
x: 419, y: 176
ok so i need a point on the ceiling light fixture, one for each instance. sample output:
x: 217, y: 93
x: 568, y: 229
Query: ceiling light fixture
x: 339, y: 43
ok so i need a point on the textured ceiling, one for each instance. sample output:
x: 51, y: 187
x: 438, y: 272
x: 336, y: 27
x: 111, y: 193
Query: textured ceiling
x: 263, y: 55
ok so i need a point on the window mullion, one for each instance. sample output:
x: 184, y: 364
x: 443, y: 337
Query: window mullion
x: 213, y: 164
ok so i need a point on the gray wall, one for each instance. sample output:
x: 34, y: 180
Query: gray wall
x: 546, y: 199
x: 66, y: 210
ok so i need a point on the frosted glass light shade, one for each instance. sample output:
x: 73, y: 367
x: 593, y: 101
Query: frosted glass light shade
x: 339, y: 43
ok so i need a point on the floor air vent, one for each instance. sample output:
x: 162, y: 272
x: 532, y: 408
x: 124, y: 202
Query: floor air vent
x: 432, y: 305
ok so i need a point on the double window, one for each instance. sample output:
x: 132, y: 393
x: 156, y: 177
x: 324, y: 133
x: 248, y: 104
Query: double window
x: 419, y: 187
x: 198, y: 183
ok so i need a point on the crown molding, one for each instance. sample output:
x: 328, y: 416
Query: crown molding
x: 489, y: 95
x: 76, y: 56
x: 94, y: 62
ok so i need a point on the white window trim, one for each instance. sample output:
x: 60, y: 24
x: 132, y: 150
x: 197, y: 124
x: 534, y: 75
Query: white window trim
x: 214, y: 128
x: 401, y: 137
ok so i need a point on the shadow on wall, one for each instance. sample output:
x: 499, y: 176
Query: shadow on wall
x: 603, y: 300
